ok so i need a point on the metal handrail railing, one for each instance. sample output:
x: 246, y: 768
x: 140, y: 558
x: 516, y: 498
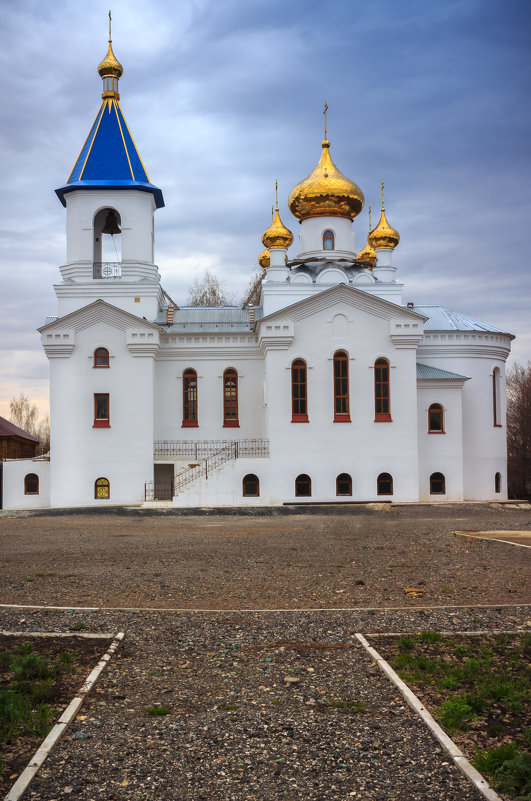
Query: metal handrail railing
x: 202, y: 449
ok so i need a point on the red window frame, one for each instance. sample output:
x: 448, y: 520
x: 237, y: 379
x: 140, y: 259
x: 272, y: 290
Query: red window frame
x: 230, y: 399
x: 384, y: 481
x: 329, y: 236
x: 31, y: 484
x: 437, y: 480
x: 190, y: 398
x: 251, y: 482
x: 102, y: 410
x: 102, y: 488
x: 434, y: 410
x: 341, y: 388
x: 299, y: 392
x: 302, y: 483
x: 101, y: 355
x: 382, y: 392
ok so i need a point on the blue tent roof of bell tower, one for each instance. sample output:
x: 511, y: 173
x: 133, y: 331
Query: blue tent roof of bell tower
x: 109, y: 158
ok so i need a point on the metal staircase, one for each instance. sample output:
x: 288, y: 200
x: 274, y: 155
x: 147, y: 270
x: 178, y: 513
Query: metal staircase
x: 212, y: 455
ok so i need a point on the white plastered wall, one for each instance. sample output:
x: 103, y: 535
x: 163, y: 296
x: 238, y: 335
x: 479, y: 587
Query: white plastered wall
x: 80, y: 453
x: 484, y: 445
x: 441, y: 452
x: 14, y: 473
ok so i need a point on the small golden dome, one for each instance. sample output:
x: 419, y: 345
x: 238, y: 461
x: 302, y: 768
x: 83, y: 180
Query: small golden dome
x: 110, y: 65
x: 277, y: 235
x: 367, y: 254
x: 326, y: 192
x: 264, y: 259
x: 384, y: 236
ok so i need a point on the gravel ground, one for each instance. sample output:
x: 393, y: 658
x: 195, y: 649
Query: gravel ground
x: 337, y: 730
x: 341, y: 560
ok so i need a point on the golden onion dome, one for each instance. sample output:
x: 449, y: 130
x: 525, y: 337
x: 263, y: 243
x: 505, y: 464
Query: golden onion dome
x: 326, y: 192
x: 110, y: 65
x: 384, y: 235
x: 264, y: 259
x: 277, y: 235
x: 367, y: 254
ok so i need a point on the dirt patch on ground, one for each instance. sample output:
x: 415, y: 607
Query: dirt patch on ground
x: 85, y: 655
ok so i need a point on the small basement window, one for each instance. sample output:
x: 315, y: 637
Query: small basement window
x: 251, y: 486
x: 303, y: 486
x: 31, y: 484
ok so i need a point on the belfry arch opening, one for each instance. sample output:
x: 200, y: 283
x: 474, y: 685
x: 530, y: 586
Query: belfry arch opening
x: 107, y: 243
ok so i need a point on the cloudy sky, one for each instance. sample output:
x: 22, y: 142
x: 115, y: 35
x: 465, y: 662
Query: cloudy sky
x: 224, y: 97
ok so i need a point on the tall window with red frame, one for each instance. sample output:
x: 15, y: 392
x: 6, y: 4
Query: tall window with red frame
x: 230, y: 399
x: 190, y: 399
x: 382, y: 395
x: 101, y: 410
x: 299, y: 392
x: 341, y: 393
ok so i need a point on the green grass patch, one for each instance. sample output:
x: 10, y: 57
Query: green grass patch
x: 354, y: 706
x: 481, y: 685
x: 157, y: 711
x: 27, y: 687
x: 508, y: 768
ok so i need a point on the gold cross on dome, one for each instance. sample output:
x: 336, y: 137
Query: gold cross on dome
x: 324, y: 112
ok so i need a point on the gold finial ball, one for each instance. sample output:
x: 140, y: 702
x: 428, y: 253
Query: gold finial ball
x: 277, y: 235
x: 264, y: 259
x: 110, y: 65
x: 384, y: 235
x: 326, y: 192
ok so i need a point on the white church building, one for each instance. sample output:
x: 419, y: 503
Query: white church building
x: 328, y: 389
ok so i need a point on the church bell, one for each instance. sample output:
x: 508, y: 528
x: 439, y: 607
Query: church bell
x: 111, y: 224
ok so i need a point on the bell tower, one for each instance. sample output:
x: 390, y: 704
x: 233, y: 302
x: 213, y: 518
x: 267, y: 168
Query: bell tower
x: 110, y: 205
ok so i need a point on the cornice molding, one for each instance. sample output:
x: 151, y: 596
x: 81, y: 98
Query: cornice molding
x: 98, y: 312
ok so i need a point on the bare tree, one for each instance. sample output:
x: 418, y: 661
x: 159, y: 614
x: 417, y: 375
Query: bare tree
x: 25, y: 415
x: 519, y: 430
x: 252, y: 290
x: 207, y: 290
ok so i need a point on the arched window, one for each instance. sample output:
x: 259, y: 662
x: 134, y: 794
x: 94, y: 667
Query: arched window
x: 343, y: 484
x: 303, y: 486
x: 382, y: 396
x: 190, y: 399
x: 101, y: 357
x: 102, y: 488
x: 328, y: 240
x: 496, y: 410
x: 384, y: 484
x: 230, y: 398
x: 299, y: 392
x: 497, y: 482
x: 251, y: 486
x: 107, y: 244
x: 341, y: 401
x: 31, y: 484
x: 437, y: 484
x: 435, y: 419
